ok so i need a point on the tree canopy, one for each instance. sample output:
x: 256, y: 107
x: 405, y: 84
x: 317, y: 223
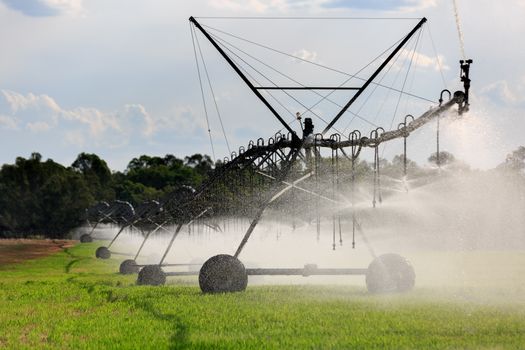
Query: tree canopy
x: 45, y: 198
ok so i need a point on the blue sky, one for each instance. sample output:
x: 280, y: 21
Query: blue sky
x: 118, y: 78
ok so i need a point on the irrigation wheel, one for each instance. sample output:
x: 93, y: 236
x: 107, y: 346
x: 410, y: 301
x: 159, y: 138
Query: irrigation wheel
x: 86, y: 238
x: 390, y: 273
x: 128, y: 267
x: 221, y: 274
x: 103, y: 253
x: 151, y: 275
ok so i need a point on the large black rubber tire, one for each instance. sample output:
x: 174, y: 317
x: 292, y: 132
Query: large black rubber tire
x: 222, y: 274
x: 128, y: 267
x: 390, y: 273
x: 151, y: 275
x: 85, y: 238
x: 103, y: 253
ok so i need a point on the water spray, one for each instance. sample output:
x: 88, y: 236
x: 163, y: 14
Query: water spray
x: 285, y: 173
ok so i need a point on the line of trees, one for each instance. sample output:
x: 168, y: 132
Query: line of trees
x: 47, y: 199
x: 44, y: 198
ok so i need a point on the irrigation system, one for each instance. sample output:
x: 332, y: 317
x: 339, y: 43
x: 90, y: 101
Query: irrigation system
x: 284, y: 172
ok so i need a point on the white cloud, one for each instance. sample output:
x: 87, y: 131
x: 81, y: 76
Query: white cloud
x: 421, y: 60
x: 46, y: 8
x: 81, y: 125
x: 505, y: 92
x: 305, y: 55
x: 136, y: 113
x: 183, y: 119
x: 7, y: 122
x: 37, y: 127
x: 258, y: 6
x: 98, y: 122
x: 65, y: 6
x: 418, y: 5
x: 36, y: 110
x: 75, y: 137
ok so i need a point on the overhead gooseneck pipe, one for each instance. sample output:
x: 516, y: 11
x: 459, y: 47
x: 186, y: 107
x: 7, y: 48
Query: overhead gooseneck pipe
x: 295, y: 138
x: 374, y: 75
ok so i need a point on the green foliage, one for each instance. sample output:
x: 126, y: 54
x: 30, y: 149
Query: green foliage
x: 41, y: 197
x: 96, y: 175
x: 46, y: 198
x: 133, y: 192
x: 169, y: 171
x: 73, y: 301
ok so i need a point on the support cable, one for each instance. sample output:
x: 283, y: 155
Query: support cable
x: 444, y: 87
x: 273, y: 83
x: 267, y: 92
x: 310, y: 18
x: 403, y: 85
x: 315, y: 63
x: 413, y: 77
x: 212, y: 92
x: 202, y: 93
x: 388, y: 94
x: 405, y: 79
x: 290, y: 78
x: 437, y: 57
x: 375, y: 88
x: 354, y: 76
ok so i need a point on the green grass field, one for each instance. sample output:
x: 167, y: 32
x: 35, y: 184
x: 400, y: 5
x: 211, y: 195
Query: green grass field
x: 72, y: 301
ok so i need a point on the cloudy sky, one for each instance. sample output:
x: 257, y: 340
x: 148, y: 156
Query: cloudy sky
x: 118, y: 78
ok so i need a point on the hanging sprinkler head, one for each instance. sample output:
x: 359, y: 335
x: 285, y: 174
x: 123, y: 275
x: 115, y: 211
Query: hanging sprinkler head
x: 464, y: 76
x: 308, y: 127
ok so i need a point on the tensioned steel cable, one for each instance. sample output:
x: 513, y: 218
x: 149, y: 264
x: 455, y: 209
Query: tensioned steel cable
x: 267, y: 92
x: 437, y: 57
x: 405, y: 79
x: 314, y: 63
x: 212, y: 93
x: 225, y: 42
x: 396, y: 77
x: 389, y: 92
x: 273, y: 83
x: 256, y: 81
x: 310, y: 18
x: 413, y: 73
x: 202, y: 93
x: 311, y: 62
x: 353, y: 76
x: 310, y: 108
x: 444, y: 87
x: 403, y: 86
x: 385, y: 73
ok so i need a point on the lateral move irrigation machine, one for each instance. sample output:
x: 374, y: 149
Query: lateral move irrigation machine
x: 285, y: 171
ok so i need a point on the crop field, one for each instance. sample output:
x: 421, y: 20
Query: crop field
x: 70, y: 300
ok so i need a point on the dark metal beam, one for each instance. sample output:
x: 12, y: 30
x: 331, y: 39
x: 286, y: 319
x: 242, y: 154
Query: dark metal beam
x: 373, y: 76
x: 306, y: 88
x: 305, y: 272
x: 243, y: 77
